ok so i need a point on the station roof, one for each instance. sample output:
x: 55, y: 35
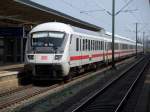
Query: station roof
x: 26, y: 12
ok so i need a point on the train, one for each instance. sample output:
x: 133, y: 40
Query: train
x: 57, y: 50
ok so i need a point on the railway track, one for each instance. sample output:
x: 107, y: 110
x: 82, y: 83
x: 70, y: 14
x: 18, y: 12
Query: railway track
x: 15, y: 96
x: 113, y: 96
x: 13, y: 90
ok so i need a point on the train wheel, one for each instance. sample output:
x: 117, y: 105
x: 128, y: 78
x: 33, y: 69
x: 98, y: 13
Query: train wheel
x: 68, y: 78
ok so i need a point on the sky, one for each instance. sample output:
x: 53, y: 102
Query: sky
x: 95, y: 12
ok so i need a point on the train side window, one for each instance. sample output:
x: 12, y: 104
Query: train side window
x: 83, y: 44
x: 71, y: 39
x: 106, y: 45
x: 80, y: 45
x: 102, y: 45
x: 95, y: 44
x: 98, y: 45
x: 86, y: 44
x: 89, y: 45
x: 77, y: 44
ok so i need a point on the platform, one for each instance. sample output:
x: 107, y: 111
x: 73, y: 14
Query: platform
x: 10, y: 69
x: 9, y: 76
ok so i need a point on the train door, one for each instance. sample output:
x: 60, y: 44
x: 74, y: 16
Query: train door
x: 106, y: 51
x: 84, y: 52
x: 74, y: 51
x: 80, y: 45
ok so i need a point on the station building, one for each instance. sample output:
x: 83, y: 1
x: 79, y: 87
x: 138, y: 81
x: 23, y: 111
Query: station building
x: 17, y: 17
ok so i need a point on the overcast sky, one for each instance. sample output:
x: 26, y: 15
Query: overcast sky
x: 125, y: 21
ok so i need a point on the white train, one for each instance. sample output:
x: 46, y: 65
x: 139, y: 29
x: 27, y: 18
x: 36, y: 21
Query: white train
x: 56, y: 50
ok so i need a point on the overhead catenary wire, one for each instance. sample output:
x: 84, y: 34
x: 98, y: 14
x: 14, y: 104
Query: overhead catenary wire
x: 77, y: 9
x: 129, y: 2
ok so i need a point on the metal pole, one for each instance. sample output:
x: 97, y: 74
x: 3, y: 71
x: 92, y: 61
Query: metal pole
x: 136, y: 38
x: 143, y: 40
x: 113, y: 32
x: 22, y: 50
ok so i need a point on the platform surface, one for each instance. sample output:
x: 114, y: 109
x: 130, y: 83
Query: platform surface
x: 12, y: 69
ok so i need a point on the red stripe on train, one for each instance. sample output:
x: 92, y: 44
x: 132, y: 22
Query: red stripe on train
x: 94, y: 55
x: 79, y: 57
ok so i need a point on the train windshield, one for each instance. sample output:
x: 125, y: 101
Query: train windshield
x: 48, y: 42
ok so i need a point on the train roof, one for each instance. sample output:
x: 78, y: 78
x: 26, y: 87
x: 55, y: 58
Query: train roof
x: 57, y: 26
x: 120, y: 37
x: 52, y: 26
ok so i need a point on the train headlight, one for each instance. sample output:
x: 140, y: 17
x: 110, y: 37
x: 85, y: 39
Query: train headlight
x: 30, y: 57
x: 58, y: 57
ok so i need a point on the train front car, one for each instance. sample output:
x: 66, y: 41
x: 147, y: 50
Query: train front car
x: 47, y: 52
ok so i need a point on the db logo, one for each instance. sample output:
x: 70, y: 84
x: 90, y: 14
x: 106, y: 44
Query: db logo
x: 44, y: 57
